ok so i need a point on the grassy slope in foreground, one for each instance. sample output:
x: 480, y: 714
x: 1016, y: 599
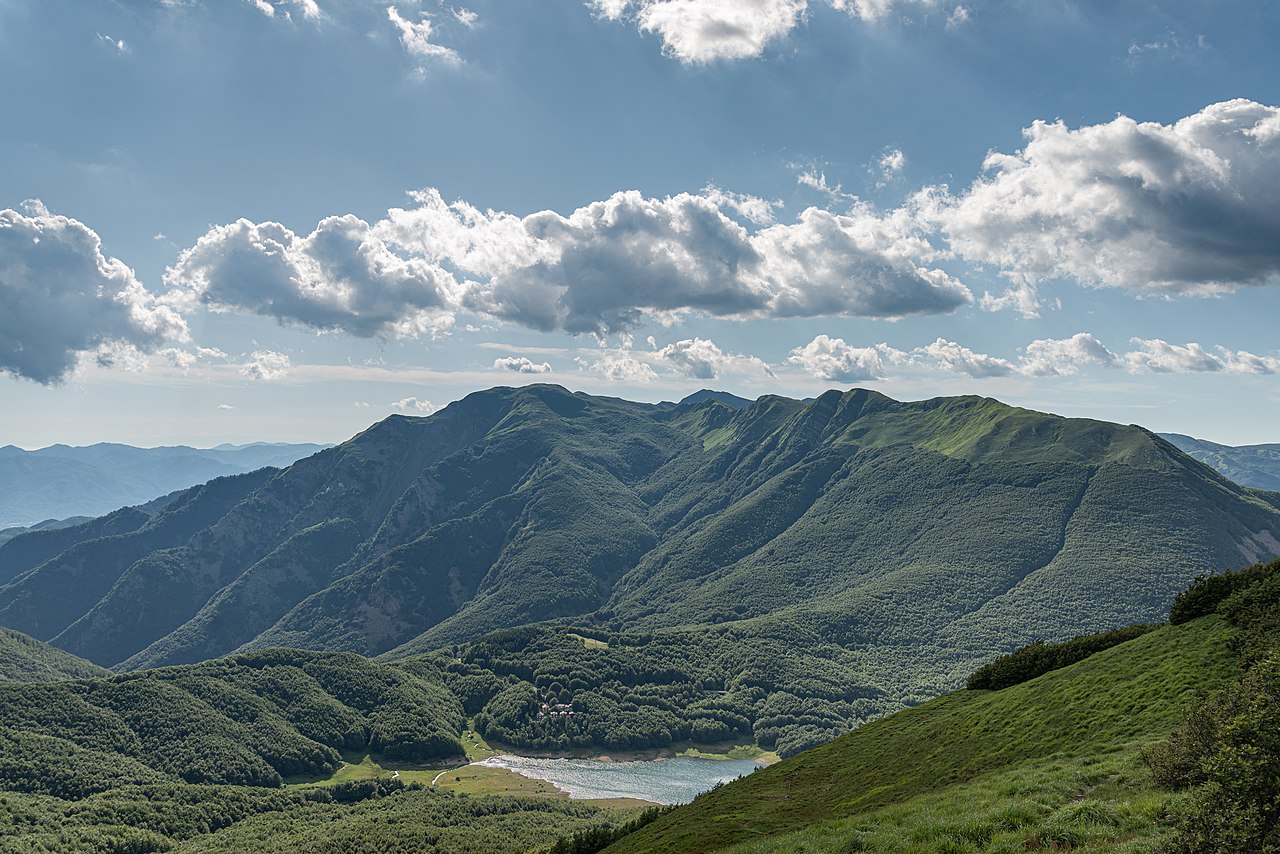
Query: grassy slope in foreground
x: 1092, y: 715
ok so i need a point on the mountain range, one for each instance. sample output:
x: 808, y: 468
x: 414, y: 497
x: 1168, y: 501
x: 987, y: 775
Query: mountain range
x: 1257, y: 466
x: 910, y: 541
x: 62, y: 481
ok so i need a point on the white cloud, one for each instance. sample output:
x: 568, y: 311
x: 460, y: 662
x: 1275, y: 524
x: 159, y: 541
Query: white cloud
x: 61, y: 299
x: 1050, y: 357
x: 959, y: 17
x: 225, y: 407
x: 890, y: 165
x: 1159, y: 356
x: 701, y: 31
x: 116, y: 44
x: 704, y: 31
x: 604, y: 268
x: 466, y: 17
x: 266, y: 366
x: 416, y: 38
x: 521, y: 365
x: 833, y: 359
x: 412, y: 404
x: 862, y: 263
x: 361, y: 404
x: 1192, y: 207
x: 309, y: 8
x: 620, y: 366
x: 702, y: 359
x: 340, y: 277
x: 961, y: 360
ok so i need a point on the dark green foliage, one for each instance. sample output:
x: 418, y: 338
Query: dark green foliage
x: 1038, y: 658
x: 249, y: 720
x: 600, y: 837
x: 1207, y: 592
x: 543, y: 687
x: 1228, y: 749
x: 1255, y: 610
x: 25, y: 659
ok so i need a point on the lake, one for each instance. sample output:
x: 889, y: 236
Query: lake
x: 662, y: 781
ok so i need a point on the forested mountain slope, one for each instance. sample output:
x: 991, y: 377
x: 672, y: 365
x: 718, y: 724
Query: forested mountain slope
x: 917, y: 539
x: 1257, y: 466
x: 25, y: 659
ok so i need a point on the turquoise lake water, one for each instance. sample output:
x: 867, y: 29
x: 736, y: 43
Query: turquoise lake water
x: 662, y: 781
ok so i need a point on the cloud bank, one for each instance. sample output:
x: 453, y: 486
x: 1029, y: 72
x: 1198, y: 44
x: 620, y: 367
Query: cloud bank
x: 1191, y: 207
x: 62, y: 299
x: 607, y: 267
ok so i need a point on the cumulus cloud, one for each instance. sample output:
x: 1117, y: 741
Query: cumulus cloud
x: 701, y: 358
x: 342, y: 276
x: 309, y: 8
x: 889, y: 165
x: 604, y: 268
x: 416, y: 38
x: 620, y: 366
x: 961, y: 360
x: 414, y: 405
x: 225, y: 407
x: 266, y: 366
x: 521, y: 365
x: 835, y: 360
x: 1056, y: 357
x: 1159, y: 356
x: 703, y: 31
x: 1191, y: 207
x: 62, y: 299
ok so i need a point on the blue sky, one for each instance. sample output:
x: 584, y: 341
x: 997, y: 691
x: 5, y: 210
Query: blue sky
x: 248, y: 220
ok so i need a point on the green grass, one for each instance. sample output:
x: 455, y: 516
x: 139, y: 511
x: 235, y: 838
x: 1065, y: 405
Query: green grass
x: 590, y: 643
x: 1070, y: 733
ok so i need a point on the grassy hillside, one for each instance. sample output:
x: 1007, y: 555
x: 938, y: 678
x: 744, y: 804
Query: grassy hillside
x: 25, y: 659
x: 972, y: 766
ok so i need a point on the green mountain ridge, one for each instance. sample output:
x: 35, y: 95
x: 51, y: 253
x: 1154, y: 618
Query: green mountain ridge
x: 25, y: 659
x: 911, y: 541
x: 1256, y: 466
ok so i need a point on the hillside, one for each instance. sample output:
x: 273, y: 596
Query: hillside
x: 250, y: 720
x: 888, y: 548
x: 61, y: 481
x: 1257, y: 466
x: 25, y: 659
x: 1057, y: 756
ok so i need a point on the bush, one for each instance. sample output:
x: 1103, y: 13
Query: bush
x: 1207, y: 592
x: 1038, y: 658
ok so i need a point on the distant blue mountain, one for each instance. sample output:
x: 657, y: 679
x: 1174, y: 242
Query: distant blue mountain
x: 62, y: 481
x: 1248, y: 465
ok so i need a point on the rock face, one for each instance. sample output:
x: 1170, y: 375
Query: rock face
x: 955, y: 524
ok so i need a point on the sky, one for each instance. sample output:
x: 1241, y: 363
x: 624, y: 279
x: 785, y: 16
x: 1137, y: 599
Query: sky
x: 284, y: 220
